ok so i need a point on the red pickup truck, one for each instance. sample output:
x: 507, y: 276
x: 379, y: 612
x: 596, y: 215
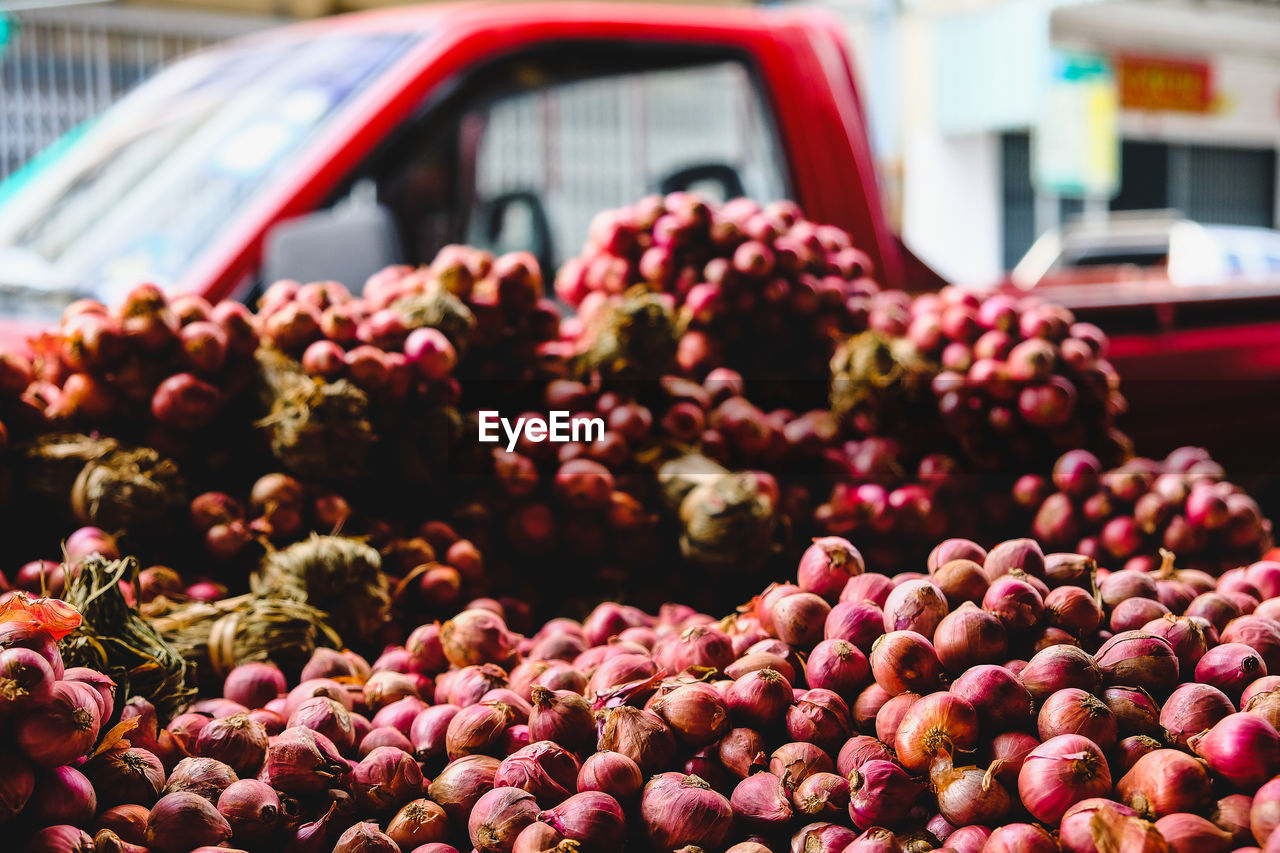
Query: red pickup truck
x: 331, y: 148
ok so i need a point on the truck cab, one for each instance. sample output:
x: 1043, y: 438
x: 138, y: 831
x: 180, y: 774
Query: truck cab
x: 331, y: 148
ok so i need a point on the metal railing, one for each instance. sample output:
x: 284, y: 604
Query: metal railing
x: 64, y: 65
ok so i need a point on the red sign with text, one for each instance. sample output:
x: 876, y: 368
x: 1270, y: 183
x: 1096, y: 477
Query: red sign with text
x: 1161, y: 83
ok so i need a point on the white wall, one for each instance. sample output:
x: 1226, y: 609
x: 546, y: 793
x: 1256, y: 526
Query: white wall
x: 951, y: 203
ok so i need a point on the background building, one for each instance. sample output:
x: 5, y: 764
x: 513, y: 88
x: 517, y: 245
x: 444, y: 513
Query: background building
x: 970, y: 90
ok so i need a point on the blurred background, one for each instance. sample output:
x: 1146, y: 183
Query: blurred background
x: 993, y: 121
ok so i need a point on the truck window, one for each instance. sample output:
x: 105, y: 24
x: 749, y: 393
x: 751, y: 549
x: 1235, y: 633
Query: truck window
x: 155, y: 181
x: 528, y: 150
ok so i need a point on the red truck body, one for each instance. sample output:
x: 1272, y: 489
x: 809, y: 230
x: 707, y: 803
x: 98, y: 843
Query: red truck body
x: 800, y: 56
x: 1201, y: 365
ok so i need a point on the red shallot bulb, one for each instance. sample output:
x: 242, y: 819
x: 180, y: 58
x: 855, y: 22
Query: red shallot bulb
x: 955, y: 549
x: 858, y: 750
x: 1190, y: 833
x: 592, y: 818
x: 1188, y: 637
x: 839, y: 666
x: 969, y: 795
x: 822, y: 795
x: 460, y: 785
x: 301, y: 762
x: 881, y: 794
x: 961, y: 581
x: 915, y: 605
x: 822, y: 837
x: 1076, y: 712
x: 794, y: 762
x: 182, y: 820
x: 641, y: 735
x: 611, y: 773
x: 365, y: 837
x: 761, y: 801
x: 385, y: 779
x: 1264, y: 812
x: 890, y: 715
x: 420, y: 822
x: 677, y: 810
x: 1057, y: 668
x: 799, y: 619
x: 996, y: 694
x: 1015, y: 602
x: 1138, y: 659
x: 1242, y: 748
x: 695, y: 712
x: 827, y: 565
x: 498, y: 817
x: 903, y: 661
x: 1061, y: 772
x: 1230, y: 667
x: 237, y: 741
x: 872, y: 587
x: 857, y: 622
x: 477, y: 729
x: 969, y: 636
x: 1022, y: 554
x: 1191, y: 709
x: 1020, y: 838
x: 940, y: 723
x: 61, y: 728
x: 254, y: 684
x: 1011, y: 750
x: 1130, y: 749
x: 1097, y: 824
x: 476, y: 637
x: 562, y: 716
x: 542, y: 768
x: 1164, y: 782
x: 252, y: 810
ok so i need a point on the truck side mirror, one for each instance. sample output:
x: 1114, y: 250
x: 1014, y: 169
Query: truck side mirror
x: 347, y: 243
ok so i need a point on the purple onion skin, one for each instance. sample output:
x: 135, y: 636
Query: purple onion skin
x: 1020, y: 838
x: 1264, y: 812
x: 1230, y: 667
x: 874, y: 840
x: 1243, y: 749
x: 1139, y: 659
x: 1191, y: 709
x: 996, y: 694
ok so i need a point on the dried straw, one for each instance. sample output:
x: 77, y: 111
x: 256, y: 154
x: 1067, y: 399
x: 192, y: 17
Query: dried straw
x: 438, y: 308
x: 114, y: 638
x: 316, y: 429
x: 104, y: 482
x: 341, y: 576
x: 635, y: 339
x: 223, y: 634
x: 879, y: 381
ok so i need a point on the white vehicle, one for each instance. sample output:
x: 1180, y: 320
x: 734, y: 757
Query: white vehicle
x: 1162, y: 243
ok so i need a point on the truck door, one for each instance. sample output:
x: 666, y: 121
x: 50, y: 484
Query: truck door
x: 522, y: 152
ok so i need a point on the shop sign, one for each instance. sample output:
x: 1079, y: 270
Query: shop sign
x: 1076, y: 144
x: 1164, y: 84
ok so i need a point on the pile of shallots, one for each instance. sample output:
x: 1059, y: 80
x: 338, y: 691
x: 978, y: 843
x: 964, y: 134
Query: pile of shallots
x: 1003, y: 700
x: 1183, y: 503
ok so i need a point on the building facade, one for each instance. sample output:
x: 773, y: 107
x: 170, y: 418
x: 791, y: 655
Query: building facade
x: 975, y: 97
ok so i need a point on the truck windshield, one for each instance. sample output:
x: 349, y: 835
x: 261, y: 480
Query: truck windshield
x: 153, y: 182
